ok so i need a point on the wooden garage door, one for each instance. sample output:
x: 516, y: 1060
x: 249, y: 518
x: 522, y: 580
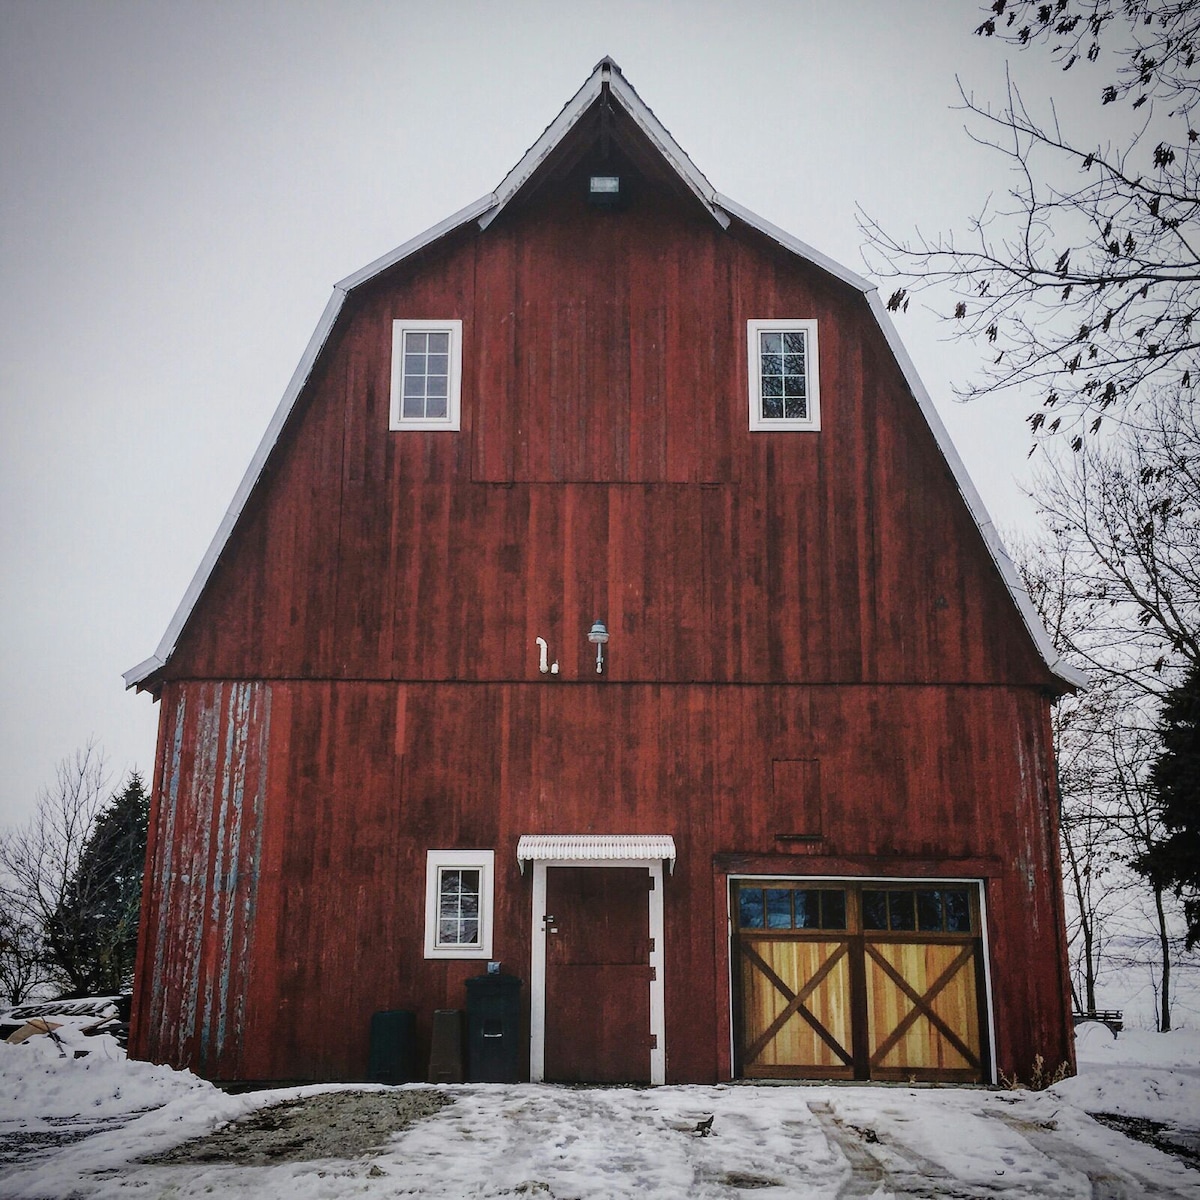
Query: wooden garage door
x: 859, y: 981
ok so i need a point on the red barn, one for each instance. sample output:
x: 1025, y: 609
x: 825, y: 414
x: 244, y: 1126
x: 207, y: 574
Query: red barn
x: 605, y: 599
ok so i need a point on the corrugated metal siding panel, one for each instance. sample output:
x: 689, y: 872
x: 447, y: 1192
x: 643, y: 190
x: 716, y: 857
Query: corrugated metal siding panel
x: 200, y: 919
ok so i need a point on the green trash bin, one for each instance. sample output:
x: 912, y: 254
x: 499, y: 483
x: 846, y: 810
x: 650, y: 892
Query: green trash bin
x: 393, y: 1057
x: 494, y: 1029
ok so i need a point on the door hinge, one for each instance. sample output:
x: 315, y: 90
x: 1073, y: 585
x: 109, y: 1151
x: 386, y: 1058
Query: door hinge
x: 650, y: 882
x: 654, y: 1041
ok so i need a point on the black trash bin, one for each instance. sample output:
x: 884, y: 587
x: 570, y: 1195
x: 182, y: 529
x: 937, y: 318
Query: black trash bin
x: 393, y: 1056
x: 494, y: 1029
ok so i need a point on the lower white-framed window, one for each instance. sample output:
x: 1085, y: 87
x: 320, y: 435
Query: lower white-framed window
x: 426, y: 374
x: 784, y: 374
x: 459, y: 898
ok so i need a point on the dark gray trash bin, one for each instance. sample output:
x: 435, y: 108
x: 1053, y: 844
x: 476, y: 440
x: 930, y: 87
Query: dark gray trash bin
x: 494, y: 1029
x: 393, y: 1047
x: 446, y: 1046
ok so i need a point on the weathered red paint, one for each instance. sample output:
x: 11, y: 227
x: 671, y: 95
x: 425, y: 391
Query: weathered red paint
x: 359, y: 681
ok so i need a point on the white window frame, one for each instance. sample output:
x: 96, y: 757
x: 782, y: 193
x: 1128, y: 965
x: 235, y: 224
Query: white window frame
x: 451, y: 421
x: 438, y: 861
x: 807, y: 326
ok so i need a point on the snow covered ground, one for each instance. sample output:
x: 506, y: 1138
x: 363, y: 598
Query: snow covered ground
x: 75, y: 1127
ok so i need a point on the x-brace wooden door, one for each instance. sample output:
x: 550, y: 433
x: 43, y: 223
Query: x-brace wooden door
x: 795, y: 1011
x: 923, y: 1010
x: 842, y: 980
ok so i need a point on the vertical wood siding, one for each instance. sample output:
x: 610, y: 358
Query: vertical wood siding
x: 359, y: 681
x: 605, y: 468
x: 288, y: 902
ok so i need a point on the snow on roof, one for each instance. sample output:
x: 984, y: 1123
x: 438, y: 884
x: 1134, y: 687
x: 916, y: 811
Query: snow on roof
x: 605, y: 76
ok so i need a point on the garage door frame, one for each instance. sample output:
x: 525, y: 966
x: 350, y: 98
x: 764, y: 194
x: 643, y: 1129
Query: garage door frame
x: 859, y: 1035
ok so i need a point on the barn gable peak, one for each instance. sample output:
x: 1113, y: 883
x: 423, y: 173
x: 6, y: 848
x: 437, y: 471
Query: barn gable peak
x: 585, y: 117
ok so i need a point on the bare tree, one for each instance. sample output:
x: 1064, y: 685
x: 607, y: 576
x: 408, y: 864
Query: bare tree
x: 1082, y: 282
x: 1089, y: 841
x: 22, y: 955
x: 1133, y: 748
x: 1125, y: 517
x: 1116, y: 579
x: 40, y: 861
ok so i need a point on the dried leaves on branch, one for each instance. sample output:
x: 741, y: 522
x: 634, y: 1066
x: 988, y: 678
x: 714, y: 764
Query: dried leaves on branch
x: 1124, y: 517
x: 1081, y: 282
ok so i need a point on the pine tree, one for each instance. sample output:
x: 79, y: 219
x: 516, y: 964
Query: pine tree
x: 1175, y: 777
x: 93, y: 934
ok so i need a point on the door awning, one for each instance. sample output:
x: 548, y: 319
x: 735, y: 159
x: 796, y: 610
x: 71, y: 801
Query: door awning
x: 596, y: 847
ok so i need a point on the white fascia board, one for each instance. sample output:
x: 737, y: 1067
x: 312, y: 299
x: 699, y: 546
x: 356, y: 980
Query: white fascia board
x: 166, y: 647
x: 795, y: 245
x: 666, y: 145
x: 135, y: 675
x: 991, y: 536
x: 449, y: 225
x: 299, y: 377
x: 551, y: 136
x: 606, y: 71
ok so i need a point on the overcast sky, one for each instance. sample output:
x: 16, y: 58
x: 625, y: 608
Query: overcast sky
x: 182, y: 183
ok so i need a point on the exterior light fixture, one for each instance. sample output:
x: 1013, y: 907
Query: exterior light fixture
x: 598, y: 635
x: 604, y: 191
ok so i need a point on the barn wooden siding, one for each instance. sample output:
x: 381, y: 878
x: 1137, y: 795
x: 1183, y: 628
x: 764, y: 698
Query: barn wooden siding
x: 808, y: 637
x: 605, y: 469
x: 363, y: 777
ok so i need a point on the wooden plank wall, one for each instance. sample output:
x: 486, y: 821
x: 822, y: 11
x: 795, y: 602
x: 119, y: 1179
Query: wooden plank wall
x: 605, y: 469
x: 382, y: 592
x: 362, y: 778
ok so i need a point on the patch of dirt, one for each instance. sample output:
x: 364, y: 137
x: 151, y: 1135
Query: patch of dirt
x: 739, y: 1179
x: 1184, y: 1144
x: 329, y: 1125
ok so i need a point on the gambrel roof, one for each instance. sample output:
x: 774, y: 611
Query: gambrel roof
x: 605, y: 84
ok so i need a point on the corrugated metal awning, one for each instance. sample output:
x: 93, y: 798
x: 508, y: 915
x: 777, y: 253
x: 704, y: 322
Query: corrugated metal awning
x: 595, y: 847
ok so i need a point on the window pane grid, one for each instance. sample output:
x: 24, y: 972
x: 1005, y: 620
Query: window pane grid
x: 426, y: 382
x: 937, y: 910
x: 791, y: 908
x: 933, y: 910
x: 783, y: 375
x: 458, y: 906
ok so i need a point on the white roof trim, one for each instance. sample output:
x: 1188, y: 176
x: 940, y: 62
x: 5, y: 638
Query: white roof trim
x: 449, y: 225
x: 606, y: 72
x: 486, y: 209
x: 299, y: 377
x: 1054, y: 660
x: 595, y: 847
x: 795, y: 245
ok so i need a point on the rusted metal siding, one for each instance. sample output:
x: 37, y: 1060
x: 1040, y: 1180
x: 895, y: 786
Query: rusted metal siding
x: 193, y: 976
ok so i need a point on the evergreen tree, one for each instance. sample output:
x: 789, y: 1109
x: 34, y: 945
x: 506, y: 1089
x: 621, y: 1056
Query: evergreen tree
x: 1175, y: 777
x: 93, y: 933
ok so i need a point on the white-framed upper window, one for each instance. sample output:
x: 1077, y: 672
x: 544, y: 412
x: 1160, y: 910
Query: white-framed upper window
x: 785, y: 381
x: 426, y: 374
x: 459, y: 894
